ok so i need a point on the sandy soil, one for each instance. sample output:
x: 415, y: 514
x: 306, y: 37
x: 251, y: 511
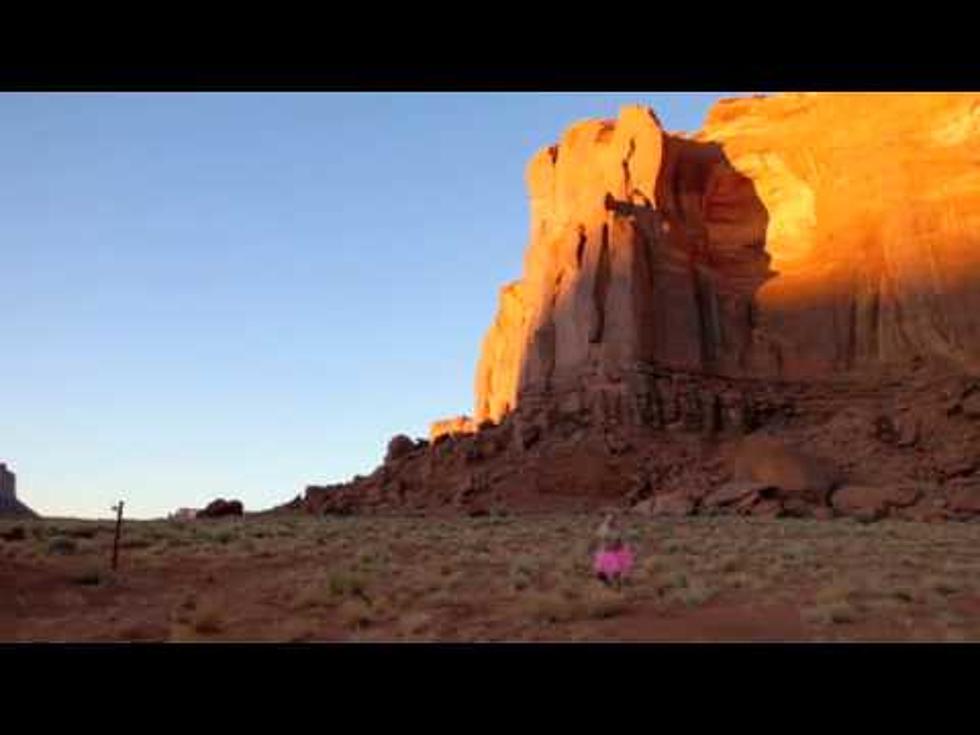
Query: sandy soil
x: 506, y: 578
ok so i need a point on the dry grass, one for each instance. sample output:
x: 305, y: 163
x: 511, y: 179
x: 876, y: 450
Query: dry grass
x: 509, y: 577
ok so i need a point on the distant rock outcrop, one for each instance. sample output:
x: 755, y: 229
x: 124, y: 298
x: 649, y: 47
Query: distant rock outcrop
x: 221, y: 508
x: 10, y: 506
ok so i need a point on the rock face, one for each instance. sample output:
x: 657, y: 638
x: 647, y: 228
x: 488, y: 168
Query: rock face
x: 9, y: 504
x: 793, y: 472
x: 8, y: 483
x: 796, y: 236
x: 451, y: 427
x: 870, y: 501
x: 805, y: 269
x: 399, y: 446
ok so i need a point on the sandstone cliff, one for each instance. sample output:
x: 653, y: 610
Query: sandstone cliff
x: 796, y: 236
x: 779, y: 315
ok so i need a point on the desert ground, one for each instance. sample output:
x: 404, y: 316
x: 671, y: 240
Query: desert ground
x: 492, y: 578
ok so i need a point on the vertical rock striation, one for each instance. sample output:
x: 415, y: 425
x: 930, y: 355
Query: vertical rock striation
x: 796, y: 236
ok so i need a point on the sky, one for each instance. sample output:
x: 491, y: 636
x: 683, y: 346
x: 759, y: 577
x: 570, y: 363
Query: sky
x: 237, y: 295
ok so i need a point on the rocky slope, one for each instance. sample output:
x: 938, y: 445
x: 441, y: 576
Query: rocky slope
x: 807, y: 268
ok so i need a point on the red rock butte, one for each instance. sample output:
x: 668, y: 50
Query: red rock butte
x: 796, y: 268
x: 795, y: 235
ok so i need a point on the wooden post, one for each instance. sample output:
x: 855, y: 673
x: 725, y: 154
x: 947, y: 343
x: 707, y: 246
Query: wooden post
x: 115, y: 544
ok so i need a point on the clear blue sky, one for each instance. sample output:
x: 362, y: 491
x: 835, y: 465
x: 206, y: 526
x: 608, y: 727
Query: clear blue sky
x: 237, y: 295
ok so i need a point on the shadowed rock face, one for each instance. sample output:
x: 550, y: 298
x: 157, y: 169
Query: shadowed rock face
x: 796, y: 236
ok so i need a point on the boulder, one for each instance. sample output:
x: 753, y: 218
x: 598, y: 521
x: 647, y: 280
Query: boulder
x: 797, y: 507
x: 398, y: 447
x: 970, y: 406
x: 643, y: 508
x: 737, y: 492
x: 924, y: 511
x: 672, y: 504
x: 823, y: 513
x: 771, y: 508
x: 794, y: 472
x: 529, y: 436
x: 956, y: 466
x: 964, y: 497
x: 872, y: 500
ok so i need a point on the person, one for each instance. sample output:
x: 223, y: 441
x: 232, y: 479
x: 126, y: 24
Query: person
x: 613, y: 558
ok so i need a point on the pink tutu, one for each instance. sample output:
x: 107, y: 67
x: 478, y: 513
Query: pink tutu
x: 613, y: 563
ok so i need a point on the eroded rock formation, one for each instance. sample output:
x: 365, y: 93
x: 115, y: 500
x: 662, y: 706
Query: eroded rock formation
x: 10, y: 505
x: 806, y: 269
x: 796, y: 236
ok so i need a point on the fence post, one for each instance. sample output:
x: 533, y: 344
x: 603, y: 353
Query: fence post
x: 115, y: 543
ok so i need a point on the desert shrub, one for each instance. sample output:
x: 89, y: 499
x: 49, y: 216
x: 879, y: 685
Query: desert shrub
x: 740, y: 581
x: 524, y: 564
x: 355, y: 614
x: 550, y: 607
x: 15, y: 533
x: 729, y: 563
x: 90, y: 576
x: 903, y: 594
x: 696, y: 593
x: 62, y: 546
x: 82, y: 533
x: 837, y: 612
x: 344, y: 584
x: 633, y: 536
x: 603, y: 604
x: 834, y: 592
x: 673, y: 581
x: 942, y: 585
x: 415, y: 623
x: 224, y: 537
x: 135, y: 543
x: 523, y: 570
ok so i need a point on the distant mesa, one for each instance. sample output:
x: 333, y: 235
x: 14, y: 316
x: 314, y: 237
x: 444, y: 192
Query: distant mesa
x: 10, y: 506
